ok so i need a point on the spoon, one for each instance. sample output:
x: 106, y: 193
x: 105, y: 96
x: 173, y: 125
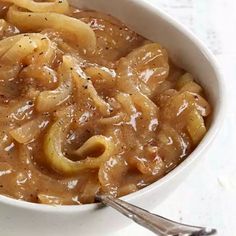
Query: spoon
x: 157, y: 224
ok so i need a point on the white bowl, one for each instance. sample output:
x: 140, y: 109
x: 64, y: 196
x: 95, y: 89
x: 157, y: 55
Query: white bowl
x: 23, y: 218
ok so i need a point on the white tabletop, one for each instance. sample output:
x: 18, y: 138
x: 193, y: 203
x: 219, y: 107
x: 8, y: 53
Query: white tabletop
x: 208, y: 195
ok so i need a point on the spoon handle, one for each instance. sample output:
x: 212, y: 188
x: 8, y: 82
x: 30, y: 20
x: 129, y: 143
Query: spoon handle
x: 157, y: 224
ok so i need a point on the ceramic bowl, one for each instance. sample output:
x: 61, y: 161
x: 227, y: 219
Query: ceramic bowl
x: 23, y: 218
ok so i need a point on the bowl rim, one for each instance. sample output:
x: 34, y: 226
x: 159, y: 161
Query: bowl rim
x: 199, y: 150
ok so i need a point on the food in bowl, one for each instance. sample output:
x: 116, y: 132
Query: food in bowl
x: 87, y: 105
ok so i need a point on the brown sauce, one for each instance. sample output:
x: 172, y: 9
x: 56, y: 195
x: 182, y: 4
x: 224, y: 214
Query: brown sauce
x: 120, y: 117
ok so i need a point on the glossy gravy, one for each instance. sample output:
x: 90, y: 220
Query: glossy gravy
x: 106, y: 113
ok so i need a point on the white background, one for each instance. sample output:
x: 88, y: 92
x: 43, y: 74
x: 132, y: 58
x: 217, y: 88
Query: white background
x: 208, y: 195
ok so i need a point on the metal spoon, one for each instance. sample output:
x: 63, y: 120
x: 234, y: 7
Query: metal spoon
x: 157, y: 224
